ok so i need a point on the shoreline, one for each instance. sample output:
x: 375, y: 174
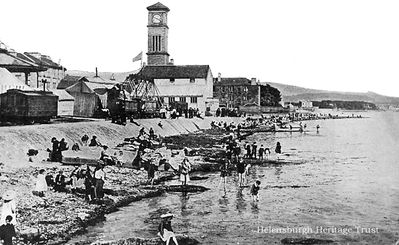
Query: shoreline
x: 58, y: 217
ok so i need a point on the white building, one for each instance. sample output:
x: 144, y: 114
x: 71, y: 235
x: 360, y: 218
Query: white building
x: 192, y: 84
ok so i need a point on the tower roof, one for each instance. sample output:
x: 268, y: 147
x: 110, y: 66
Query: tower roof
x: 158, y: 6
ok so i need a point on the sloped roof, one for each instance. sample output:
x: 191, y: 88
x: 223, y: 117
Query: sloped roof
x: 69, y: 80
x: 101, y: 80
x: 43, y: 61
x: 31, y: 92
x: 226, y: 81
x: 167, y: 72
x: 6, y: 78
x: 14, y: 63
x: 81, y: 87
x: 99, y: 88
x: 63, y: 95
x: 158, y: 6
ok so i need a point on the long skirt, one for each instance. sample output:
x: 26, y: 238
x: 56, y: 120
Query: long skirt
x: 184, y: 178
x: 99, y: 188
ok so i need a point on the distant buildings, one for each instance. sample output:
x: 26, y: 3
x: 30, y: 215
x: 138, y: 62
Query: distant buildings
x: 234, y: 92
x: 32, y: 68
x: 89, y: 93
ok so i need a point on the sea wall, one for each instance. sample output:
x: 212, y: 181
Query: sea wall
x: 16, y: 140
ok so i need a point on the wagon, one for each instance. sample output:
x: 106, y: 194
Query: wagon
x: 28, y: 106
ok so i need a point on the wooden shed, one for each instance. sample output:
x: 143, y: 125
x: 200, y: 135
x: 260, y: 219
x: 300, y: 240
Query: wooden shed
x: 86, y: 100
x: 66, y: 102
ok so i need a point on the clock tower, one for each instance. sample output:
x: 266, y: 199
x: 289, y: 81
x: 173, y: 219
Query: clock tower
x: 157, y: 54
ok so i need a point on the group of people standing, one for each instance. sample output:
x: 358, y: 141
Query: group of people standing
x: 93, y: 181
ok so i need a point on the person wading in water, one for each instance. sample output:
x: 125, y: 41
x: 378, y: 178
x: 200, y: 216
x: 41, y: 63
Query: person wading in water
x: 184, y: 169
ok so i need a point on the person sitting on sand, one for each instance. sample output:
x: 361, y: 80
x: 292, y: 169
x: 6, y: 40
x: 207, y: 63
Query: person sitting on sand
x: 60, y: 183
x: 105, y: 156
x: 165, y: 230
x: 255, y: 191
x: 94, y: 142
x: 75, y: 147
x: 184, y: 169
x: 84, y: 139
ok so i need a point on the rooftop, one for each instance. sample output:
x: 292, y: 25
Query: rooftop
x: 171, y: 71
x: 158, y: 6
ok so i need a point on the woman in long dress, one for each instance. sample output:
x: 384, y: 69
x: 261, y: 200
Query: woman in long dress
x: 8, y: 208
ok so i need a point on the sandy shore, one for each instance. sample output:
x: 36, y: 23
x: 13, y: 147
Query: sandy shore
x: 57, y: 217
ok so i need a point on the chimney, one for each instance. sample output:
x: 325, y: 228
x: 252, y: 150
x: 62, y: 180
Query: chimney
x: 253, y: 81
x: 96, y: 73
x: 219, y: 77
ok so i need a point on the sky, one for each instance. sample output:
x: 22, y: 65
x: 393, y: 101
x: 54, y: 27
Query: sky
x: 339, y: 45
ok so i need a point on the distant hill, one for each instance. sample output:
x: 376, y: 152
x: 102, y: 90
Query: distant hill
x: 119, y: 76
x: 289, y: 92
x: 295, y: 93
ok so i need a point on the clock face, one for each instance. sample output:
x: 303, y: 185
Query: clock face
x: 156, y: 19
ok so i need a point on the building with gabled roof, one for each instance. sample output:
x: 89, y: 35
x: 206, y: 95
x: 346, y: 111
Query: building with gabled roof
x: 32, y: 68
x: 191, y: 84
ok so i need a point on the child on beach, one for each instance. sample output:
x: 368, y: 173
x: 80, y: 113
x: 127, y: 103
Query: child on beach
x: 241, y: 171
x: 246, y: 173
x: 7, y: 231
x: 165, y: 230
x: 223, y: 173
x: 41, y: 184
x: 255, y: 191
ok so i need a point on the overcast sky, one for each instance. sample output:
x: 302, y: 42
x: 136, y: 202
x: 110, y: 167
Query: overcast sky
x: 339, y: 45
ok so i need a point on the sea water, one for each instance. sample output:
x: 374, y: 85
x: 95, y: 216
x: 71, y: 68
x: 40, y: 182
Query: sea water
x: 347, y: 190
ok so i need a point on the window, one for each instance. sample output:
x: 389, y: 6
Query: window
x: 161, y: 99
x: 182, y: 99
x: 192, y: 80
x: 193, y: 100
x: 171, y: 100
x: 172, y: 80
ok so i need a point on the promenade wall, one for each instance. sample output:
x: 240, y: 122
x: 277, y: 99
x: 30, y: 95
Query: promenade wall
x: 16, y: 140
